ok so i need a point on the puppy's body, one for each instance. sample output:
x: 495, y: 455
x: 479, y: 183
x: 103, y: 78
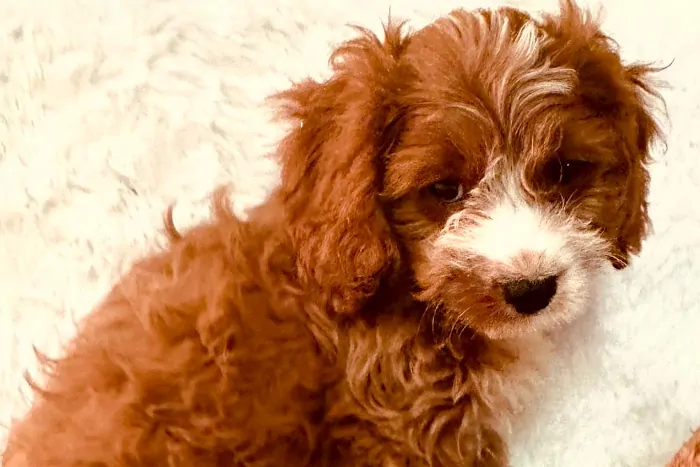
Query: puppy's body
x: 377, y: 310
x: 213, y: 354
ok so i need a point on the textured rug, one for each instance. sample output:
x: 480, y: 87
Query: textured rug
x: 112, y: 109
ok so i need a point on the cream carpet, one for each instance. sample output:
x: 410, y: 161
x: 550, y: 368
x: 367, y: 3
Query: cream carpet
x: 111, y: 109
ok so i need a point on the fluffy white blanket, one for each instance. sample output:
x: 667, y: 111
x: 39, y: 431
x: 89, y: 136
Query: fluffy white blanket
x: 111, y: 109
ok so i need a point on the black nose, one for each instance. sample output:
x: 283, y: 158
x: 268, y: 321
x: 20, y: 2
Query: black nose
x: 530, y: 296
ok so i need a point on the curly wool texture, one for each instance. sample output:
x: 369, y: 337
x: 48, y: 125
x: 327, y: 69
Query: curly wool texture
x: 689, y: 454
x: 127, y: 164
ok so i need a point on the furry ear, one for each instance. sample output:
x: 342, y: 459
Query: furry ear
x: 624, y: 95
x: 639, y: 130
x: 331, y: 169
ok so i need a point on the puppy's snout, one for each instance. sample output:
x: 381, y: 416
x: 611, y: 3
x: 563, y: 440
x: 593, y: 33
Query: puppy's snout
x: 530, y: 296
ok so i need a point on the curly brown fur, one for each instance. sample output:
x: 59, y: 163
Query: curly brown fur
x: 357, y: 317
x: 689, y: 454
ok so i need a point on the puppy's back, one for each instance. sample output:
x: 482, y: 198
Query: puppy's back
x: 199, y: 356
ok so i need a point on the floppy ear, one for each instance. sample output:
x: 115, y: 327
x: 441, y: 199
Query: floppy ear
x: 625, y: 95
x: 638, y: 131
x: 332, y: 169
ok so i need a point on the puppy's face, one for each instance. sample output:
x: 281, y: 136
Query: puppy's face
x: 518, y: 167
x: 500, y: 159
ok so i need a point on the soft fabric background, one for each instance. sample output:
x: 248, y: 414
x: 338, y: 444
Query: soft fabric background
x: 111, y: 109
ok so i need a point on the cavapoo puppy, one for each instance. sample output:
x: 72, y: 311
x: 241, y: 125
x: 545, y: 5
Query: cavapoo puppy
x: 447, y: 197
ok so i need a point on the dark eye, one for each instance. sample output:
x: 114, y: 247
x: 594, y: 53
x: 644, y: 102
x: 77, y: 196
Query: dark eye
x: 567, y: 171
x: 573, y: 169
x: 449, y: 191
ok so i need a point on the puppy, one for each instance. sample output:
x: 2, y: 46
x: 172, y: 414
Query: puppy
x: 447, y: 197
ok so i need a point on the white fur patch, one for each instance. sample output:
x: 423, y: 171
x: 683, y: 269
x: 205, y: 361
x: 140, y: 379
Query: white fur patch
x: 514, y: 227
x: 511, y: 226
x: 523, y: 240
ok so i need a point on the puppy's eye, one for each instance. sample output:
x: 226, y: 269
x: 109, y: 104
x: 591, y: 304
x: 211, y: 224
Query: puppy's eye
x: 568, y: 171
x: 449, y: 191
x: 574, y: 169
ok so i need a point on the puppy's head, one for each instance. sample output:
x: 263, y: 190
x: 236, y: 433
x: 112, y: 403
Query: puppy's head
x: 498, y: 157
